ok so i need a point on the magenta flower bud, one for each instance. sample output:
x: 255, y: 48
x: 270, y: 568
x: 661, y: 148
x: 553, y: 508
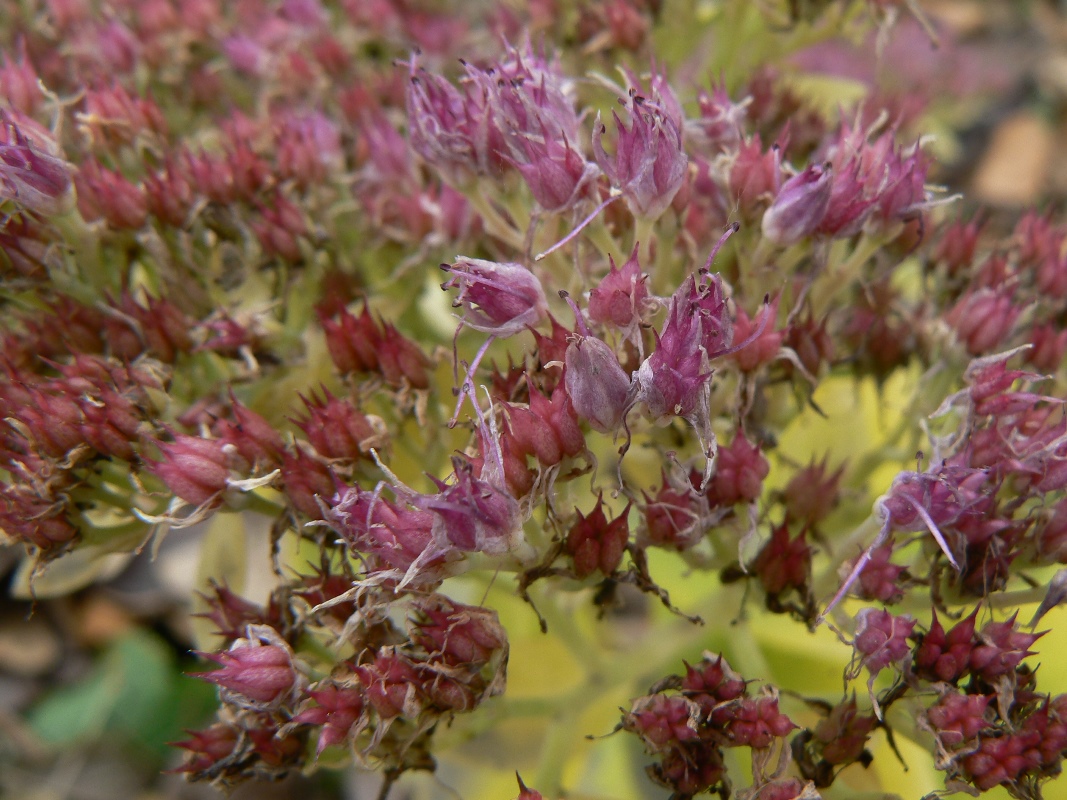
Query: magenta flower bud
x: 337, y: 711
x: 499, y: 299
x: 254, y: 439
x: 720, y: 124
x: 799, y: 207
x: 621, y: 297
x: 336, y: 428
x: 984, y: 319
x: 881, y: 638
x: 739, y: 473
x: 438, y: 124
x: 472, y: 514
x: 392, y: 684
x: 33, y: 171
x: 208, y: 748
x: 247, y: 56
x: 956, y: 719
x: 19, y: 82
x: 663, y: 721
x: 598, y: 387
x: 754, y: 174
x: 840, y: 737
x: 307, y: 483
x: 556, y: 173
x: 394, y: 534
x: 595, y: 543
x: 261, y: 673
x: 308, y: 148
x: 783, y: 563
x: 649, y: 164
x: 457, y: 634
x: 105, y: 194
x: 196, y: 470
x: 756, y: 722
x: 675, y: 518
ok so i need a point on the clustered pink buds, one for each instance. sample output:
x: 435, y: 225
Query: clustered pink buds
x: 711, y: 710
x: 364, y: 344
x: 595, y: 543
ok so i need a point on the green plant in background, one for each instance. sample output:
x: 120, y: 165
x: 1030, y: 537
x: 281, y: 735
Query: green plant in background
x: 662, y: 445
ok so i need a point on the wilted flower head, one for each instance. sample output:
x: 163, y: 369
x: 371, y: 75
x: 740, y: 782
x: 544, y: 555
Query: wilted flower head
x: 500, y: 299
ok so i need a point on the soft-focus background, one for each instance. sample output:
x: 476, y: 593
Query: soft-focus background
x: 92, y: 685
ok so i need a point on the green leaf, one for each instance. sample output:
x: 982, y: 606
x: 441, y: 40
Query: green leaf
x: 121, y: 694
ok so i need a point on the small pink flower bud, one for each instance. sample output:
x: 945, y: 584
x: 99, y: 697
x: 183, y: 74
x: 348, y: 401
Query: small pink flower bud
x: 394, y: 534
x: 799, y: 207
x: 255, y: 440
x: 957, y: 719
x: 811, y: 342
x: 958, y: 244
x: 649, y: 165
x: 525, y: 792
x: 597, y: 385
x: 208, y: 748
x: 881, y: 638
x: 984, y: 319
x: 19, y: 82
x: 352, y: 341
x: 754, y: 175
x: 663, y: 721
x: 472, y: 514
x: 308, y: 148
x: 811, y: 493
x: 840, y: 737
x: 945, y: 657
x: 1049, y: 342
x: 595, y: 543
x: 391, y: 684
x: 783, y: 563
x: 881, y: 579
x: 675, y: 517
x: 168, y: 193
x: 279, y: 229
x: 621, y: 298
x: 306, y: 481
x: 557, y: 174
x: 739, y: 473
x: 105, y: 194
x: 33, y: 172
x: 114, y: 117
x: 336, y: 428
x: 232, y: 614
x: 762, y: 346
x: 756, y: 722
x: 262, y: 673
x: 337, y: 710
x: 196, y: 470
x: 457, y: 634
x: 499, y: 299
x: 1001, y: 649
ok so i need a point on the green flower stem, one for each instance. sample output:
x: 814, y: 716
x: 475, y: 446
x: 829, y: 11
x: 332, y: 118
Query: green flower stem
x: 93, y: 276
x: 495, y: 223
